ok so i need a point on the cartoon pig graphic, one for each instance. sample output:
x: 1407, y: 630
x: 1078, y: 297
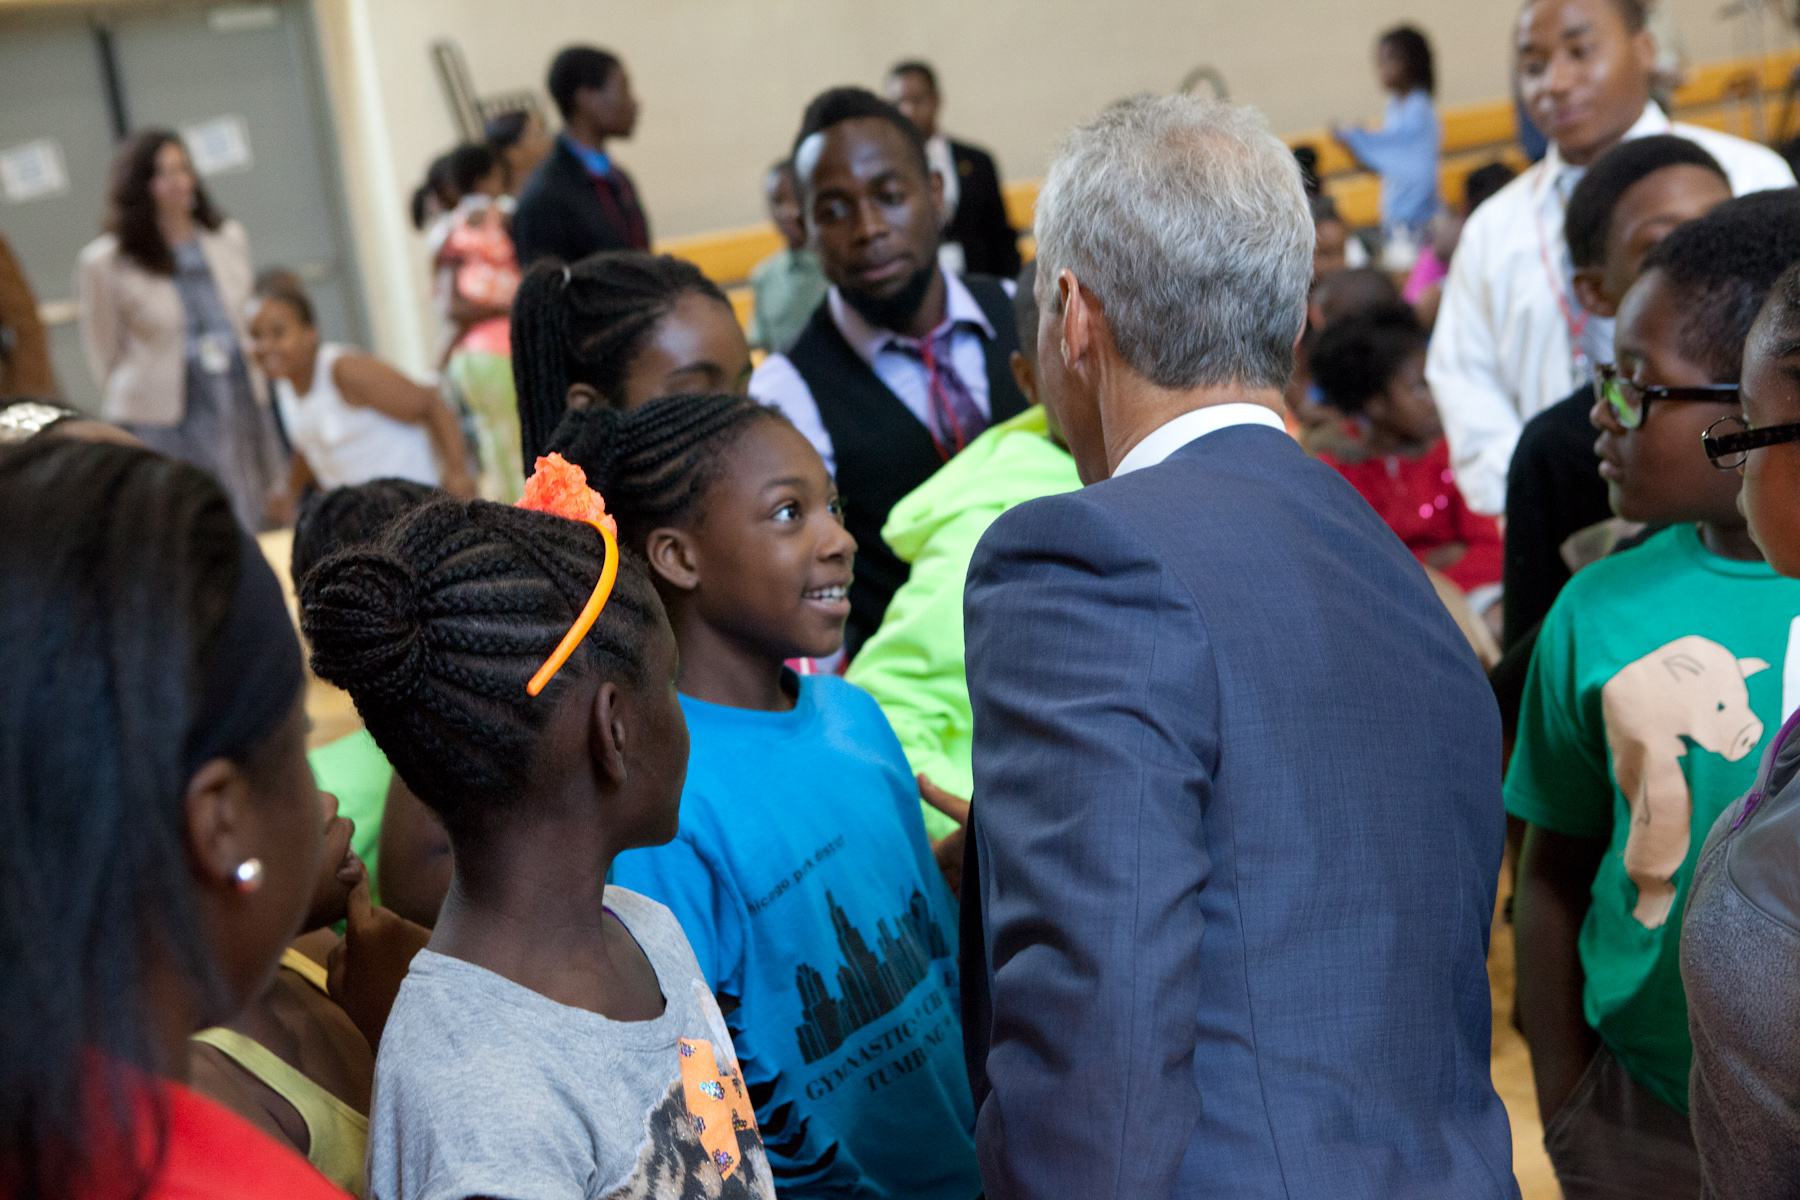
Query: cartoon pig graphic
x: 1693, y: 688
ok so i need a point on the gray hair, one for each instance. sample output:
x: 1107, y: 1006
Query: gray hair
x: 1187, y: 219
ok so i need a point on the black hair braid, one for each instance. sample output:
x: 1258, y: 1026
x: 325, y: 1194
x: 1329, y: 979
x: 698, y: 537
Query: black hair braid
x: 587, y: 323
x: 436, y: 629
x: 654, y: 463
x: 344, y: 516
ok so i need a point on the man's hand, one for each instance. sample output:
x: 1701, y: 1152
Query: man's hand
x: 948, y: 850
x: 365, y: 969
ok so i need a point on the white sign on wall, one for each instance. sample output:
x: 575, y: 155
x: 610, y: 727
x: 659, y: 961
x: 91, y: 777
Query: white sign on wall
x: 219, y: 146
x: 33, y: 171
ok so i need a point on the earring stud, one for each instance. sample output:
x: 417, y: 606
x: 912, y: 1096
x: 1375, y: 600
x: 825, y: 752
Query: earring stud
x: 248, y: 876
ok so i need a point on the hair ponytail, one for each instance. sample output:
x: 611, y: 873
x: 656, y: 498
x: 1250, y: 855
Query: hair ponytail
x: 587, y: 323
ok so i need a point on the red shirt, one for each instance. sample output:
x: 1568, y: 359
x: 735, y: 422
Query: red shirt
x: 1417, y: 497
x: 212, y: 1154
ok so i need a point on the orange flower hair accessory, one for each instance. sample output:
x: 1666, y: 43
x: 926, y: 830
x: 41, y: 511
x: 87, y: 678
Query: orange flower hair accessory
x: 560, y: 488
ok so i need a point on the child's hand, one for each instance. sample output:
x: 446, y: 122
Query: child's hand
x: 364, y: 970
x: 954, y: 807
x: 948, y: 850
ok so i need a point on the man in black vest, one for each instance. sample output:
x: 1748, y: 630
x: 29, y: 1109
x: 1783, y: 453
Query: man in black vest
x: 902, y: 365
x: 579, y: 201
x: 977, y: 233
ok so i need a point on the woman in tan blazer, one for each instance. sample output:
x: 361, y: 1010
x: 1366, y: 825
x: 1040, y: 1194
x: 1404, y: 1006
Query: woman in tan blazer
x: 164, y: 296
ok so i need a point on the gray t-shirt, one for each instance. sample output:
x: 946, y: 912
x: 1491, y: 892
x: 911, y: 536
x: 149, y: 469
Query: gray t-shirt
x: 1740, y: 963
x: 486, y: 1088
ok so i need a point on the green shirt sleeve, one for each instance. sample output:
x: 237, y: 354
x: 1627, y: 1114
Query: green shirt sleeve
x: 1559, y: 778
x: 913, y: 666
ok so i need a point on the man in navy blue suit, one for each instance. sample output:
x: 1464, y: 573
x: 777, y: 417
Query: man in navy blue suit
x: 1237, y: 816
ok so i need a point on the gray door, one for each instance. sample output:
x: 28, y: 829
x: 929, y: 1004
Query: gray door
x: 243, y: 83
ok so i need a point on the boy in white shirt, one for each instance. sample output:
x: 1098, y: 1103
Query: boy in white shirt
x: 1511, y: 337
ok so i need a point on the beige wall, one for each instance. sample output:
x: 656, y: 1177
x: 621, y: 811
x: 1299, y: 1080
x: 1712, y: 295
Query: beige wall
x: 722, y: 82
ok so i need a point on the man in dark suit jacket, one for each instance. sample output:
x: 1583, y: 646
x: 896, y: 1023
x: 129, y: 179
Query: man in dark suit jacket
x: 1237, y: 819
x: 977, y: 212
x: 579, y: 201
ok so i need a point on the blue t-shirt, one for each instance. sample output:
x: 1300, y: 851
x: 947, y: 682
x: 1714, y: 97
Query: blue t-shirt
x: 803, y: 879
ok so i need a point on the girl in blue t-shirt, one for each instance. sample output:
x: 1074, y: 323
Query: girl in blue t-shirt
x: 801, y: 872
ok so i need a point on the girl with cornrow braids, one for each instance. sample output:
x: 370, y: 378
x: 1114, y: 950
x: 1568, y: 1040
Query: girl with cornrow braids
x: 800, y: 871
x: 616, y: 331
x: 557, y: 1035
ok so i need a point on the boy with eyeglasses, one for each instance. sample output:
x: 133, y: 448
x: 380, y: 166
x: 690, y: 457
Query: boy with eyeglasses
x: 1656, y: 678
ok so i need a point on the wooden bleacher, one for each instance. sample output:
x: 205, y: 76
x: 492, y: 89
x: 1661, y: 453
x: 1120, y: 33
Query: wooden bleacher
x: 1746, y: 97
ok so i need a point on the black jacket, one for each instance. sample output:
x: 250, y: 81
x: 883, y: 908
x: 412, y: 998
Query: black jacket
x: 562, y: 214
x: 980, y: 227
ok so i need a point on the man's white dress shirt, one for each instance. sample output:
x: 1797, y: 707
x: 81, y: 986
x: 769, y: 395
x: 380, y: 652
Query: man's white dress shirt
x: 779, y: 383
x: 1511, y: 339
x: 1172, y: 435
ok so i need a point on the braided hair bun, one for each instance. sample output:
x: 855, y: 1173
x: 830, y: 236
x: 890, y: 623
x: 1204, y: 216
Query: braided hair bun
x: 654, y: 463
x: 436, y: 629
x: 368, y: 609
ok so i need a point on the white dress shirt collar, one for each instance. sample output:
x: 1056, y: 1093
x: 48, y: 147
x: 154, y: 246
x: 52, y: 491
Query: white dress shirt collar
x: 869, y: 340
x: 1171, y: 436
x: 1653, y: 120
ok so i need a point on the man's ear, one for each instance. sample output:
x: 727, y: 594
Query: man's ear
x: 936, y: 189
x: 1078, y: 319
x: 216, y: 807
x: 672, y: 555
x: 1590, y: 291
x: 606, y: 733
x: 1025, y: 375
x: 584, y: 395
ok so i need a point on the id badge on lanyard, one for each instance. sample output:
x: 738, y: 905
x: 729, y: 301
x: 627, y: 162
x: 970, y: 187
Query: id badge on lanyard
x: 215, y: 353
x: 1575, y: 318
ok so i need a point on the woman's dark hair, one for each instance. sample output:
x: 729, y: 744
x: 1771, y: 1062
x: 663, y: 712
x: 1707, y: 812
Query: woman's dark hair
x: 437, y: 185
x: 279, y: 283
x: 470, y: 163
x: 654, y: 463
x: 335, y: 520
x: 1414, y: 53
x: 1783, y: 310
x: 117, y: 570
x: 1724, y: 266
x: 503, y: 130
x: 587, y: 324
x: 436, y: 629
x: 130, y: 210
x: 1356, y: 358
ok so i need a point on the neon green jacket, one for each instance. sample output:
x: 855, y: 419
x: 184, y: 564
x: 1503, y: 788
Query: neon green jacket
x: 913, y: 666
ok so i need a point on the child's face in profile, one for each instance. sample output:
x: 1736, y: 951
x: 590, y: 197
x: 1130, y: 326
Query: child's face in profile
x: 1771, y: 493
x: 1406, y: 411
x: 340, y: 870
x: 1657, y: 472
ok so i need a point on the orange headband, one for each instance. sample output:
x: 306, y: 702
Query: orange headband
x: 560, y: 488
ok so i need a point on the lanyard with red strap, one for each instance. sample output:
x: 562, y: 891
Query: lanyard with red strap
x: 1575, y: 318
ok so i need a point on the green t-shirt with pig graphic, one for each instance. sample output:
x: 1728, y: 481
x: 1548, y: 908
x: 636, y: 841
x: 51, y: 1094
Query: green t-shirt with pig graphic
x: 1657, y: 680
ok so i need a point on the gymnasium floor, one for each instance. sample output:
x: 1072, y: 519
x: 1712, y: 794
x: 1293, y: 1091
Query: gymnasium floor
x: 333, y: 716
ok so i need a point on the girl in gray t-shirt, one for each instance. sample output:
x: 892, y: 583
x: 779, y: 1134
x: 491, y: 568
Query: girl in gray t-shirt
x: 1740, y: 939
x: 557, y: 1039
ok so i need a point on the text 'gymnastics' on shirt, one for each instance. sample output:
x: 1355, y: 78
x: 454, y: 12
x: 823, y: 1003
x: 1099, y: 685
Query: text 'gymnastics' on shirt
x: 803, y: 878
